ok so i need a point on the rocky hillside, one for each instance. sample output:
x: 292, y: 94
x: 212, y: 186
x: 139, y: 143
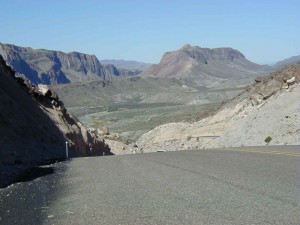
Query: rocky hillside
x: 54, y: 67
x: 290, y: 60
x: 34, y: 126
x: 205, y: 64
x: 269, y: 107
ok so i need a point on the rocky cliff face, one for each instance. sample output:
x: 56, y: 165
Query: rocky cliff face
x: 53, y: 67
x: 204, y: 63
x: 34, y: 126
x: 204, y: 55
x: 111, y: 69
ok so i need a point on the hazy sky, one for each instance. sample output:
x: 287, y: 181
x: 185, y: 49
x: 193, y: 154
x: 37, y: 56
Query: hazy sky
x: 265, y: 31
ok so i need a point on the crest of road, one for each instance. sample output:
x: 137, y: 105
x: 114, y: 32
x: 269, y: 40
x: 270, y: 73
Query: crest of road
x: 218, y: 186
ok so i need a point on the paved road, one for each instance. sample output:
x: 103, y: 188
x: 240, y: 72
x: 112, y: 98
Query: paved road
x: 231, y: 186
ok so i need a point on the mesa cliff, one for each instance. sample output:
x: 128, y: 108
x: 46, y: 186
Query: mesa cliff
x: 43, y: 66
x: 205, y: 64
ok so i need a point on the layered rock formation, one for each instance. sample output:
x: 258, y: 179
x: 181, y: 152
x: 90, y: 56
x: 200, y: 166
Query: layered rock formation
x: 53, y: 67
x: 269, y: 85
x: 34, y: 126
x: 204, y: 63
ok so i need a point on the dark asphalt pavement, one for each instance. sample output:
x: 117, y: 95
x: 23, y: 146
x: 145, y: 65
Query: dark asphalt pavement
x: 225, y: 186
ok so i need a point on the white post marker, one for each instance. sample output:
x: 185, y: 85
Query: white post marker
x: 67, y: 152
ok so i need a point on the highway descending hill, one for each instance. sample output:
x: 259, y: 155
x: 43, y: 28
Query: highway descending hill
x: 217, y: 186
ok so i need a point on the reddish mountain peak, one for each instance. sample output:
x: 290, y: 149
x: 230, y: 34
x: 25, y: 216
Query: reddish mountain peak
x: 194, y: 61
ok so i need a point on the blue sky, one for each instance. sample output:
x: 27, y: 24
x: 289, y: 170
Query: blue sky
x: 264, y: 31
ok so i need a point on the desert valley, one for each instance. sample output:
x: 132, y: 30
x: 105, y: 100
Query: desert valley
x: 195, y: 98
x: 149, y: 112
x: 64, y: 116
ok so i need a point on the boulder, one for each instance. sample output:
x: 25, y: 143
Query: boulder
x: 270, y: 88
x: 258, y: 79
x: 291, y: 81
x: 285, y: 86
x: 54, y: 96
x: 256, y: 99
x: 103, y: 131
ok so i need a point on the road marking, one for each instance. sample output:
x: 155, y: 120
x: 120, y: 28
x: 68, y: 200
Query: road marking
x: 259, y: 152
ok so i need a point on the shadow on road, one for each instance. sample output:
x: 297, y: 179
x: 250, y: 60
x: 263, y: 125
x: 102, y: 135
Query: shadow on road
x: 36, y: 172
x: 27, y: 201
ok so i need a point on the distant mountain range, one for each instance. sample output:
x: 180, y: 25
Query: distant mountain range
x: 204, y: 63
x: 53, y: 67
x: 291, y: 60
x: 124, y: 64
x: 56, y: 67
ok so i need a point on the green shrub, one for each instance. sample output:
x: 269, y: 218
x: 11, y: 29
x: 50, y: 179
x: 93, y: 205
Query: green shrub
x: 268, y: 139
x: 188, y: 138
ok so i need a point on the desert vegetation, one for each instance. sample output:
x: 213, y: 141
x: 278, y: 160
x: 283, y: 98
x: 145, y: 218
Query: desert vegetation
x: 268, y: 139
x: 133, y: 120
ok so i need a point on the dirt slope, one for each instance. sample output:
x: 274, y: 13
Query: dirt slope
x: 270, y: 107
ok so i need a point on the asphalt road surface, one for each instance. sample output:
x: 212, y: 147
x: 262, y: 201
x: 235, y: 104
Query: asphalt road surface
x: 224, y: 186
